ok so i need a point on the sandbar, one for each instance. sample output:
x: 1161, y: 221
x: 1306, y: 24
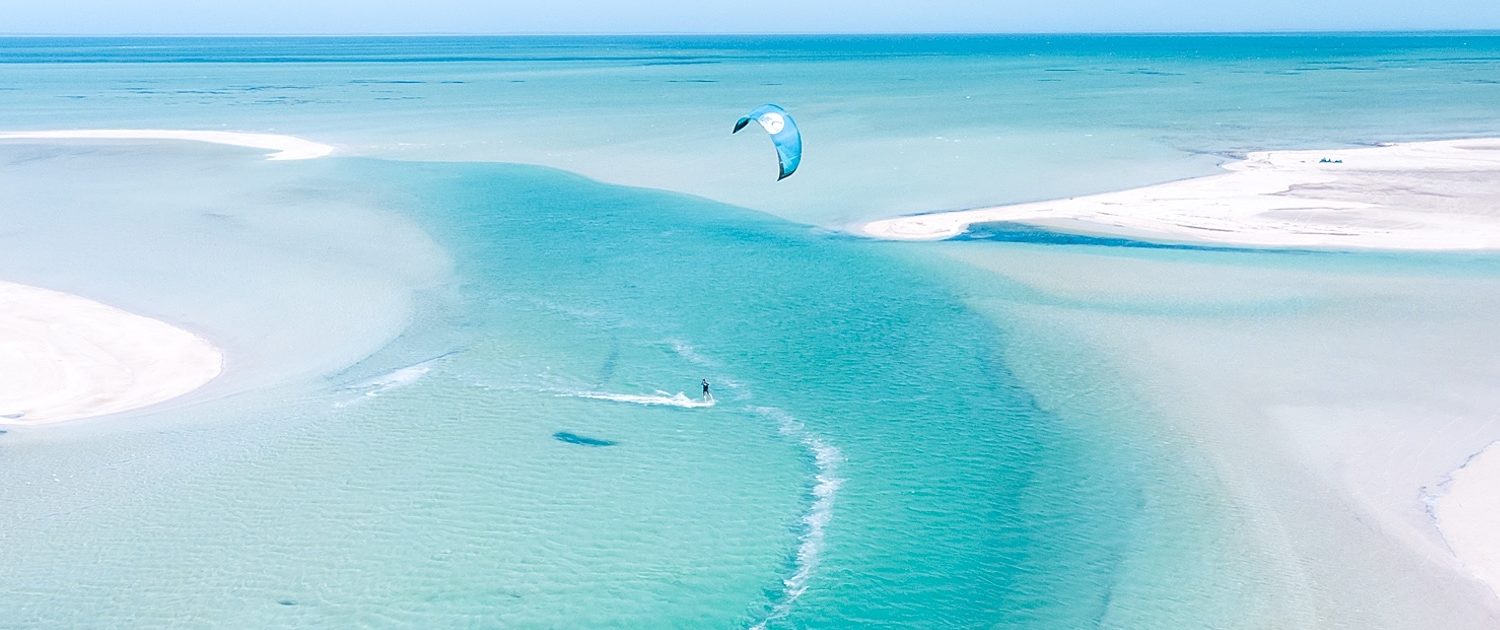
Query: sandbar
x: 283, y: 147
x: 1442, y: 195
x: 1468, y: 514
x: 64, y: 357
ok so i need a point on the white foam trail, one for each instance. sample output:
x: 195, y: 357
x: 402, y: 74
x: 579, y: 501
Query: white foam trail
x: 397, y: 378
x: 661, y: 398
x: 826, y: 460
x: 390, y: 380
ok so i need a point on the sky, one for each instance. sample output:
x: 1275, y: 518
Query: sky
x: 742, y: 16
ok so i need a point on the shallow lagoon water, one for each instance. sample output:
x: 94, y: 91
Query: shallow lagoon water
x: 870, y: 460
x: 895, y: 442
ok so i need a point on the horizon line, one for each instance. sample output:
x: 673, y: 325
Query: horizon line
x: 1419, y: 31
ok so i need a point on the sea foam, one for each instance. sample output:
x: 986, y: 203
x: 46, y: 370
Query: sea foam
x: 826, y: 483
x: 661, y: 398
x: 395, y: 379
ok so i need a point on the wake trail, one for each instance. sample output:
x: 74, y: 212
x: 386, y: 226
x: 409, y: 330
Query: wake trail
x: 826, y: 483
x: 395, y: 379
x: 661, y: 398
x: 825, y: 462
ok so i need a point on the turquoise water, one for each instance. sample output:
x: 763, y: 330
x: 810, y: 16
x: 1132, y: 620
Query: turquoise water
x: 452, y: 391
x: 896, y: 124
x: 869, y: 460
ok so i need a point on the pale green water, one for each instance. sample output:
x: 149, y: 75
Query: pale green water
x: 881, y: 454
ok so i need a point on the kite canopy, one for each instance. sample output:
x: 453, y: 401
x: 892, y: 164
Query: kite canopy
x: 784, y: 135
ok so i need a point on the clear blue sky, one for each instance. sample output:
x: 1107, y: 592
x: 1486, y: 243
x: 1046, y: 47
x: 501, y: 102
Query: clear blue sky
x: 719, y: 16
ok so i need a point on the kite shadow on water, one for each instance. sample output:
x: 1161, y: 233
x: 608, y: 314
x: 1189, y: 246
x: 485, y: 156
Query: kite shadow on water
x: 582, y: 440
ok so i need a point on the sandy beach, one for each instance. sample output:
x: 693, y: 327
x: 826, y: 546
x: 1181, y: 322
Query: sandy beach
x: 1414, y: 196
x: 283, y: 147
x: 63, y: 357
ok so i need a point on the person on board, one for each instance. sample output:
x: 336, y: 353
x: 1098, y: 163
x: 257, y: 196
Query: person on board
x: 706, y: 394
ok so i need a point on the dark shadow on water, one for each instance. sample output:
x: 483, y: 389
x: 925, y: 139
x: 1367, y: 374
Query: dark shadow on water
x: 582, y: 440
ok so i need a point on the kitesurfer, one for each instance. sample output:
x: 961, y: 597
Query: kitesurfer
x: 706, y: 395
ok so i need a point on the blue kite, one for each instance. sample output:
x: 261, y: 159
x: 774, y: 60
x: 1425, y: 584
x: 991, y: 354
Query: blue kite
x: 784, y: 135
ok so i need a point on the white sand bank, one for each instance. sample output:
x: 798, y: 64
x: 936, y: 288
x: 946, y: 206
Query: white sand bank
x: 1468, y: 514
x: 284, y: 147
x: 63, y: 357
x: 1417, y: 196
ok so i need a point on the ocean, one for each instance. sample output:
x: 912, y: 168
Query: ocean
x: 464, y: 353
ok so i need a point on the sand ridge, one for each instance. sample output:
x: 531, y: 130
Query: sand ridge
x: 1442, y: 195
x: 283, y: 147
